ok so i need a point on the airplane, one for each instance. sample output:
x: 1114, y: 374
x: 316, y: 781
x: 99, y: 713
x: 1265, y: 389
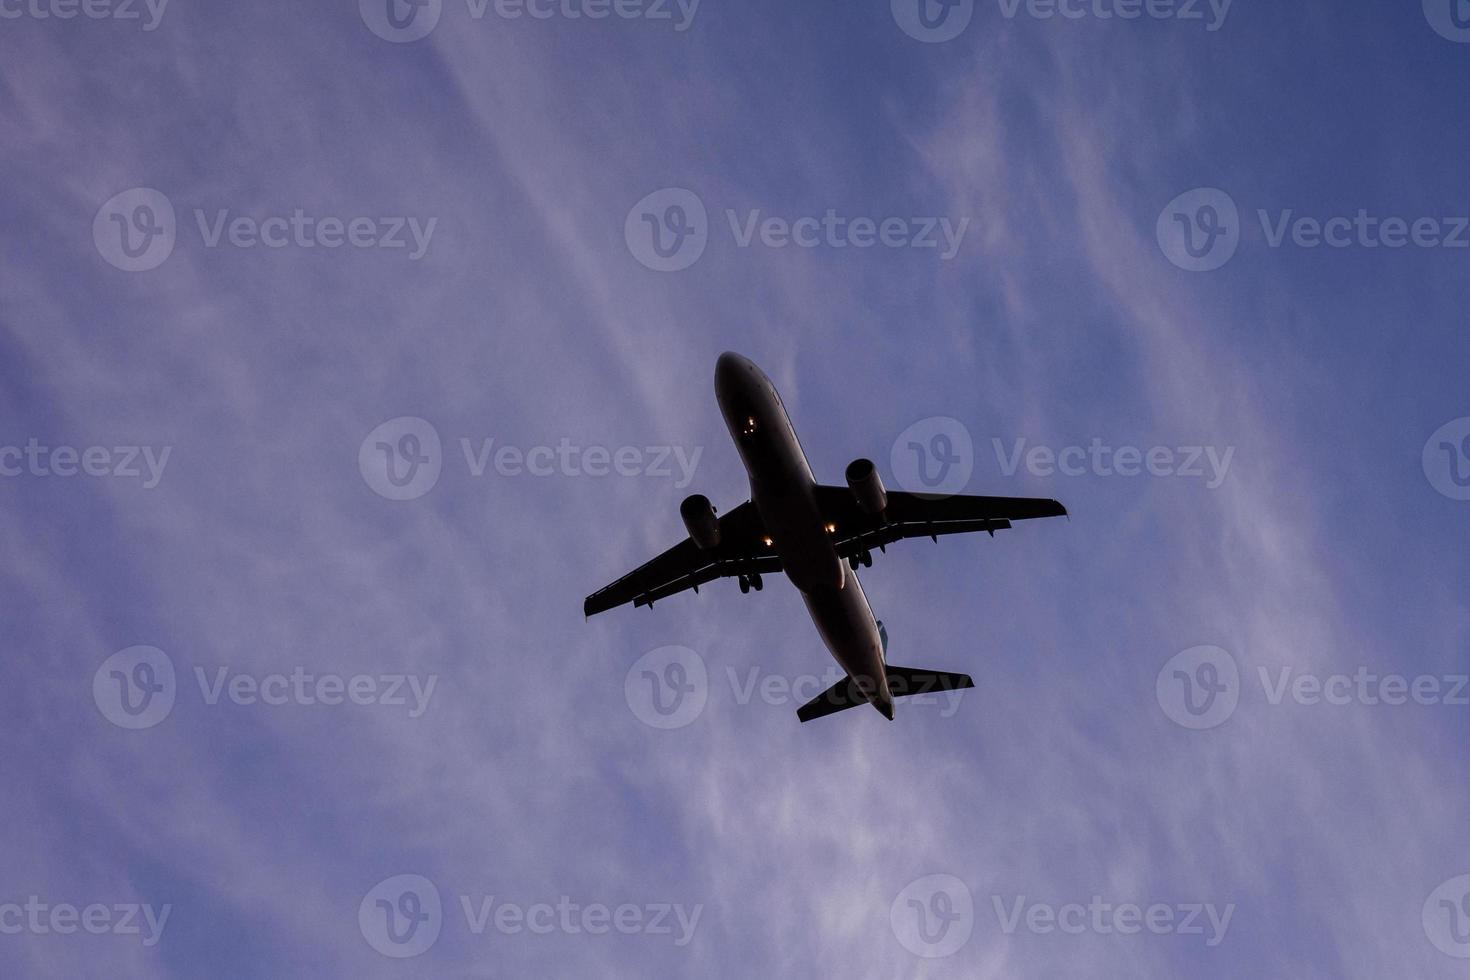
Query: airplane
x: 818, y: 535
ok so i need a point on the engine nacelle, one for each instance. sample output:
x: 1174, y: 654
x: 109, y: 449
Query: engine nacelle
x: 699, y: 518
x: 867, y: 487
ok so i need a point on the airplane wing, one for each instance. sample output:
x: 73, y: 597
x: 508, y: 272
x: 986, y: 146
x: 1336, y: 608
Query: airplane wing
x: 742, y: 550
x: 913, y: 515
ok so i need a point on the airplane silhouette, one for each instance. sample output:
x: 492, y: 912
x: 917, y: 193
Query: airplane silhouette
x: 818, y: 535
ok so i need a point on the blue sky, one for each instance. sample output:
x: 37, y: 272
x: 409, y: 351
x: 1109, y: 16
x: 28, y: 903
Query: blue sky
x: 204, y: 547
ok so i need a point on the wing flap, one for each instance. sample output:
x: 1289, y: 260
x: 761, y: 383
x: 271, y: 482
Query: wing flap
x: 762, y: 565
x: 742, y: 550
x: 912, y: 515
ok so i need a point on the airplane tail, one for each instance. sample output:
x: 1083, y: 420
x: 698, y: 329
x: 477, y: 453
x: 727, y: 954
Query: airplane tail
x: 902, y: 682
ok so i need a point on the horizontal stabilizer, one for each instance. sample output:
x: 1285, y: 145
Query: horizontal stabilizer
x: 839, y: 697
x: 902, y: 682
x: 908, y: 681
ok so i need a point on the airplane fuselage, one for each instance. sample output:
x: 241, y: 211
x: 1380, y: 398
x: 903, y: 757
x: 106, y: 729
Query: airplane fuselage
x: 783, y: 491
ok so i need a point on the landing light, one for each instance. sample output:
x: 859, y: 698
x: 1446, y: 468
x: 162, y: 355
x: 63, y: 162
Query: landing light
x: 768, y: 542
x: 831, y: 528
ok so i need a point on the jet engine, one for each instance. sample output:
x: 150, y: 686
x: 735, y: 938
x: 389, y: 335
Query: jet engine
x: 867, y: 487
x: 699, y: 518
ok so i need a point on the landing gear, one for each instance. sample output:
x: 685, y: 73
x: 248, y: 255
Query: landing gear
x: 751, y: 581
x: 863, y: 558
x: 744, y: 585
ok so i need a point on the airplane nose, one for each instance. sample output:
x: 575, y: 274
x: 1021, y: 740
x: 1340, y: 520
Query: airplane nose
x: 729, y: 370
x: 729, y: 363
